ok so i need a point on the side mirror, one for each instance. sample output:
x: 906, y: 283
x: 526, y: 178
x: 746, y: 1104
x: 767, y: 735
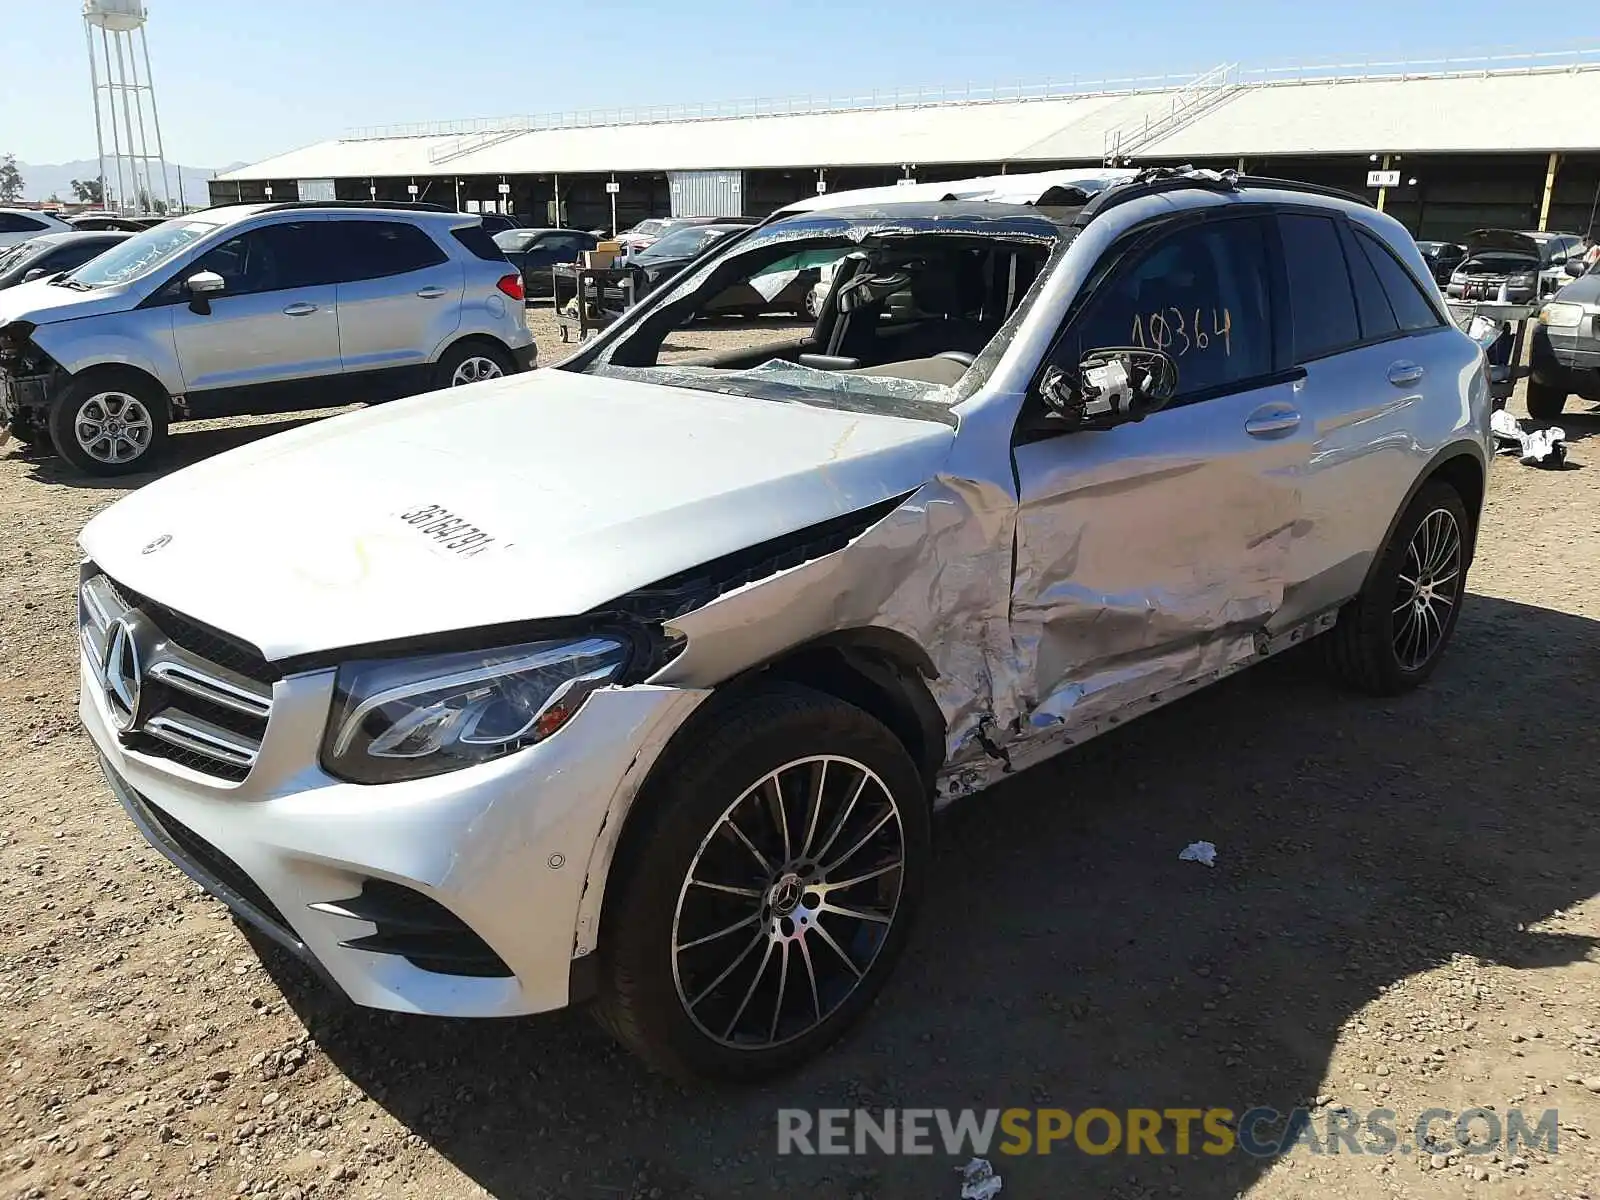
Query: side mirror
x: 205, y: 283
x: 36, y: 273
x: 1111, y: 387
x: 1573, y: 268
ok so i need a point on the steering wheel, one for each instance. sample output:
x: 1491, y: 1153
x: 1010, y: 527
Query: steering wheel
x: 957, y: 356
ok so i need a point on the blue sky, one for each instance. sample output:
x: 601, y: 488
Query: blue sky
x: 240, y: 81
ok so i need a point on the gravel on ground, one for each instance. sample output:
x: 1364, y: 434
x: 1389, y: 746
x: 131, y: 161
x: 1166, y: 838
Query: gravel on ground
x: 1403, y: 915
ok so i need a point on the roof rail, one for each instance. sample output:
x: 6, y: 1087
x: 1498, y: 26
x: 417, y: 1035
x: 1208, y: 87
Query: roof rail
x: 1155, y: 180
x: 405, y: 205
x: 1296, y: 185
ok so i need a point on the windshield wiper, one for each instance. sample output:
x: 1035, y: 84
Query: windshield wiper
x: 74, y: 284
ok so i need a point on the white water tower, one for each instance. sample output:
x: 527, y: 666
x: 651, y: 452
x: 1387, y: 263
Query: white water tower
x: 135, y: 169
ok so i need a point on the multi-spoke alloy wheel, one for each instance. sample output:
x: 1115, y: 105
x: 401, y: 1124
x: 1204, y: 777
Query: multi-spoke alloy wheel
x: 109, y: 421
x: 788, y: 901
x: 1391, y: 636
x: 113, y: 427
x: 475, y: 370
x: 764, y: 886
x: 1429, y: 583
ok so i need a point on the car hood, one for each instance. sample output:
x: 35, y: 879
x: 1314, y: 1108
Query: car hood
x: 1480, y: 240
x: 44, y: 303
x: 561, y: 491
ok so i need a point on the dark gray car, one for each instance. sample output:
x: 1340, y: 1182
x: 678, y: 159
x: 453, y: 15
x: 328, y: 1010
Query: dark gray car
x: 52, y: 253
x: 1566, y: 347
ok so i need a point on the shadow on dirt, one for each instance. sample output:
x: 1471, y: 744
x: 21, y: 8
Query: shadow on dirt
x: 1067, y: 958
x: 185, y: 446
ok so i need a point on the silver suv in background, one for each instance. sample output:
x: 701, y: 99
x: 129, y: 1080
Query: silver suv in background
x: 254, y: 309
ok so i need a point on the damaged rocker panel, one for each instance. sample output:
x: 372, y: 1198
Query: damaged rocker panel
x: 1040, y: 743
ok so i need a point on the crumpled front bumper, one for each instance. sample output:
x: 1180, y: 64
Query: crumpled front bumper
x: 508, y: 847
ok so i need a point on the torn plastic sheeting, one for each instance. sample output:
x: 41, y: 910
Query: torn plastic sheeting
x: 772, y: 279
x: 1203, y: 853
x: 1533, y: 447
x: 979, y: 1181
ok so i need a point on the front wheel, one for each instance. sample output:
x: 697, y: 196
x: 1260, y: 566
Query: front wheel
x: 760, y: 903
x: 1390, y: 638
x: 108, y: 422
x: 471, y: 362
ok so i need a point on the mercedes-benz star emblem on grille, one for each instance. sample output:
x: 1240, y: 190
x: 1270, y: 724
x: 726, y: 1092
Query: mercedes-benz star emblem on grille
x: 124, y: 674
x: 157, y: 544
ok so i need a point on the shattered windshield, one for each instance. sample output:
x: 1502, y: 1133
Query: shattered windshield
x: 905, y: 298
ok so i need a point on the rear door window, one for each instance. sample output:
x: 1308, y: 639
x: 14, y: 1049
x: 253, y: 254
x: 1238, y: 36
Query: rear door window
x: 1201, y: 294
x: 376, y: 249
x: 1322, y: 304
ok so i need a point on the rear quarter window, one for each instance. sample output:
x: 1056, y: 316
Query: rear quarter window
x: 479, y: 242
x: 1412, y: 309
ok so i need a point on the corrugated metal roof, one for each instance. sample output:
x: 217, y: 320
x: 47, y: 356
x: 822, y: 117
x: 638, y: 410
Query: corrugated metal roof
x: 1543, y: 109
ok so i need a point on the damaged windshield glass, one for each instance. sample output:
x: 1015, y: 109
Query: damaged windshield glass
x: 905, y: 298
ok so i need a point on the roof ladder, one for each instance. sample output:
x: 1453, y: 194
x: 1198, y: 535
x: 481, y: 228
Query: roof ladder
x: 1185, y: 104
x: 458, y: 147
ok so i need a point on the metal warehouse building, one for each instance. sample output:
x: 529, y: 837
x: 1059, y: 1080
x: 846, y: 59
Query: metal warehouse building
x: 1512, y: 141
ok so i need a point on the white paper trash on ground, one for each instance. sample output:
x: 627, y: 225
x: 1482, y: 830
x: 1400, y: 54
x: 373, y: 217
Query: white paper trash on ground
x: 978, y: 1180
x: 1200, y: 852
x: 1534, y: 447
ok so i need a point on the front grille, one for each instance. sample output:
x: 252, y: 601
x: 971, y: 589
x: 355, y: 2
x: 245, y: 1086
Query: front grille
x: 176, y: 689
x: 208, y: 643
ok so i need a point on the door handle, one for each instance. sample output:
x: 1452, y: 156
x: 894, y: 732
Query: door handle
x: 1404, y: 374
x: 430, y: 293
x: 1272, y: 420
x: 302, y: 309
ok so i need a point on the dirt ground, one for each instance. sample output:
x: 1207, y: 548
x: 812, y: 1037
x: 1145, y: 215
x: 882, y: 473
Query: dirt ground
x: 1403, y: 915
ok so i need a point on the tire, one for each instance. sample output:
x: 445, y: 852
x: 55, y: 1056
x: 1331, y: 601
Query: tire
x: 129, y: 410
x: 809, y: 306
x: 1545, y: 402
x: 471, y: 362
x: 670, y: 984
x: 1377, y: 647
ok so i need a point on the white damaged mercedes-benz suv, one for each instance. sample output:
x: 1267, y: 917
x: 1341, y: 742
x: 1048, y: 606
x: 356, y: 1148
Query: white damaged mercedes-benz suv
x: 638, y: 683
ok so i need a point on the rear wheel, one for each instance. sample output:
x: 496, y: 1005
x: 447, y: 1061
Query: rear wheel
x: 109, y: 422
x: 762, y: 902
x: 471, y: 362
x: 1391, y: 637
x: 1545, y: 401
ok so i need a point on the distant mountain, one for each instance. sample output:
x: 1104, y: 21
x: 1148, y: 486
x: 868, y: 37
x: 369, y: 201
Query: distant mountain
x: 42, y: 180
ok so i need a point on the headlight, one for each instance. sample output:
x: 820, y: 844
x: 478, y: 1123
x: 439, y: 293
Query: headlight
x: 1561, y: 315
x: 1458, y: 277
x: 397, y: 719
x: 1520, y: 281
